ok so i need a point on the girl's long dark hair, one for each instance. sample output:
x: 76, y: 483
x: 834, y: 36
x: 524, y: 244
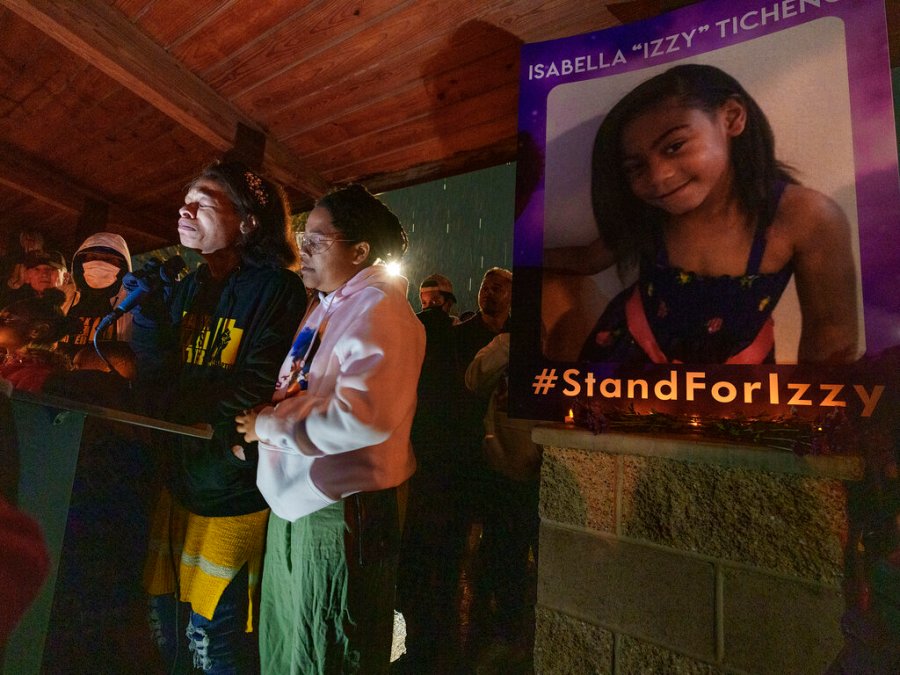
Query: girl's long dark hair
x: 629, y: 226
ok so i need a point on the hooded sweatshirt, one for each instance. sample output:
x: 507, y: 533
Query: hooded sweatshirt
x: 219, y: 356
x: 90, y: 305
x: 344, y: 400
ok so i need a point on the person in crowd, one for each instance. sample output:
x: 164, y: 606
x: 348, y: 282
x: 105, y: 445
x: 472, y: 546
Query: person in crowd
x: 427, y: 598
x: 436, y: 290
x: 40, y: 270
x: 437, y: 299
x: 30, y: 240
x: 509, y: 546
x: 448, y: 491
x: 209, y: 347
x: 29, y: 330
x: 494, y: 300
x: 334, y: 447
x: 98, y: 267
x: 474, y: 480
x: 686, y: 186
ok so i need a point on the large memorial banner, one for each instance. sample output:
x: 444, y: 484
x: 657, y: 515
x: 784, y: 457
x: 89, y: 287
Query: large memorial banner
x: 706, y: 208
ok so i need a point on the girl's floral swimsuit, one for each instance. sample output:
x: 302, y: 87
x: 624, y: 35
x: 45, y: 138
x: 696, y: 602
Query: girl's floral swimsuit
x: 671, y: 315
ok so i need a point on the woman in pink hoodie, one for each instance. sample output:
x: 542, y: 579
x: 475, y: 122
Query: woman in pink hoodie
x: 334, y: 446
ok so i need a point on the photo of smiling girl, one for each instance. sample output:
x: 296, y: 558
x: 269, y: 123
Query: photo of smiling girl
x: 685, y: 186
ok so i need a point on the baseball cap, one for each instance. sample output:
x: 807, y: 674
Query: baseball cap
x: 52, y: 258
x: 440, y: 282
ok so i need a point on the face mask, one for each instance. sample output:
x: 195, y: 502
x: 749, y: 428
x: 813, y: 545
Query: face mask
x: 99, y: 274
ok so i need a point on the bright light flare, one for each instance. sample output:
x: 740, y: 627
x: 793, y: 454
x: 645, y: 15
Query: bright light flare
x: 393, y: 269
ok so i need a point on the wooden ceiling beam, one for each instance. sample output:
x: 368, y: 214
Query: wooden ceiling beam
x: 28, y: 176
x: 103, y: 36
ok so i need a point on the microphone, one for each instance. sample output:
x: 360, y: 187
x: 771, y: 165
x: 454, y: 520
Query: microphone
x: 135, y: 297
x: 149, y: 279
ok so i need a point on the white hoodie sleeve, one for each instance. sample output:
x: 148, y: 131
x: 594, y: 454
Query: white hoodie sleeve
x: 488, y: 366
x: 362, y: 386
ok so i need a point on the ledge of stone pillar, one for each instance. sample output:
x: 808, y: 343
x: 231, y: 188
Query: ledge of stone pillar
x: 703, y: 450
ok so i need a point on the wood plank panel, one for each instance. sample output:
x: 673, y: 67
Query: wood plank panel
x: 47, y: 130
x: 20, y: 211
x: 177, y: 157
x: 385, y: 123
x: 38, y: 81
x: 235, y: 28
x: 407, y: 173
x: 62, y: 88
x: 144, y: 136
x: 169, y: 21
x: 473, y: 41
x: 299, y: 39
x: 80, y: 119
x: 552, y: 19
x: 106, y: 39
x: 131, y: 8
x: 163, y: 191
x: 30, y: 176
x: 100, y: 36
x: 19, y: 45
x: 460, y: 128
x: 636, y: 10
x: 57, y: 227
x: 101, y: 145
x: 411, y: 93
x: 410, y: 27
x: 165, y: 176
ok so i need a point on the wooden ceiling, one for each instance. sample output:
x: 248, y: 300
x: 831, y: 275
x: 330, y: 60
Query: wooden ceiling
x: 109, y: 107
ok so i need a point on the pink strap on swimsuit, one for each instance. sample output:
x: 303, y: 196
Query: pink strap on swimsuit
x: 636, y: 318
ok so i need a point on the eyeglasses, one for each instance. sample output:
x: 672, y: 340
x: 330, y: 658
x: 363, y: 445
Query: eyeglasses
x: 314, y: 244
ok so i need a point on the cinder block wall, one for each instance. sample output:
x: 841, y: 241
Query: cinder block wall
x: 674, y: 555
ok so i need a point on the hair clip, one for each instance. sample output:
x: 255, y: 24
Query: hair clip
x: 256, y: 187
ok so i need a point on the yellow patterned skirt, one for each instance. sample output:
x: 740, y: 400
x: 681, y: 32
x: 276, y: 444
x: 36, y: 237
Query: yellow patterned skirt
x: 211, y: 551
